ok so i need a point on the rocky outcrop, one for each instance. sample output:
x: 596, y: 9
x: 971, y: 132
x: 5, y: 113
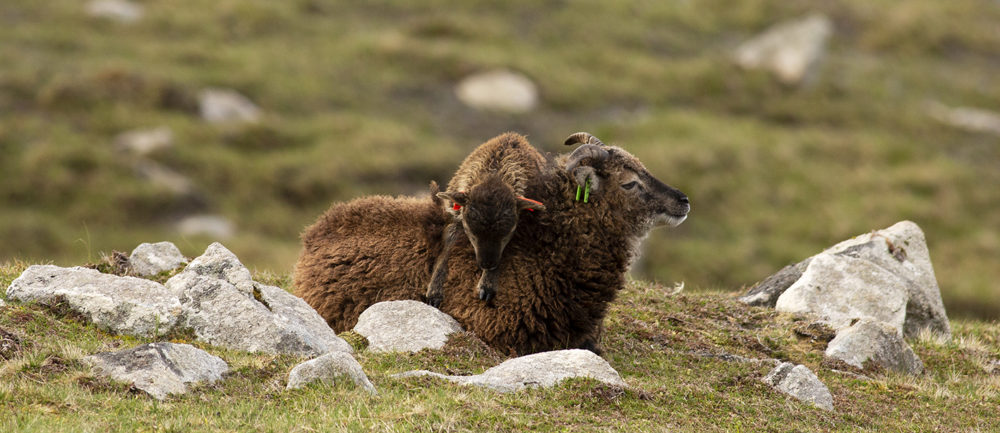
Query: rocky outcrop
x: 790, y: 50
x: 330, y: 368
x: 151, y: 259
x: 498, y: 90
x: 545, y: 369
x: 159, y: 369
x: 801, y: 383
x: 875, y: 342
x: 405, y: 326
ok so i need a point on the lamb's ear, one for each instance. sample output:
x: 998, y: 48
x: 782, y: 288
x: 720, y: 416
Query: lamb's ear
x: 584, y: 173
x: 456, y: 197
x: 529, y: 204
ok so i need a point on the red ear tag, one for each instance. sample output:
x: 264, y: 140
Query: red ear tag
x: 456, y: 207
x: 533, y: 201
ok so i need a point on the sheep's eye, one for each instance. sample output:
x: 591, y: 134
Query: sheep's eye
x: 630, y: 185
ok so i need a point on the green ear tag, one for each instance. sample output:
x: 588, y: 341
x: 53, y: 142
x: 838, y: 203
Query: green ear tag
x: 578, y: 193
x: 586, y: 191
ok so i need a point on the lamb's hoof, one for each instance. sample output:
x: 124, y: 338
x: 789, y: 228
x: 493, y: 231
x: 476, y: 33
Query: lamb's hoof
x: 435, y: 300
x: 485, y: 294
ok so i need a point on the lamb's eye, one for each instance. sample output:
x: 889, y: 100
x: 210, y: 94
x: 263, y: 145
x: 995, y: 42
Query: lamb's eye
x: 630, y: 185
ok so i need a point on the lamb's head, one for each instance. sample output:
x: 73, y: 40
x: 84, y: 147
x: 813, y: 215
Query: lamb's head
x: 489, y: 213
x: 620, y: 182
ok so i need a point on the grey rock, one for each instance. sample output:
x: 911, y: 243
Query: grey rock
x: 544, y: 370
x: 163, y: 177
x: 213, y: 226
x: 766, y: 293
x: 121, y: 11
x: 2, y: 303
x: 227, y: 106
x: 801, y: 383
x: 405, y: 326
x: 967, y: 118
x: 498, y: 90
x: 877, y: 342
x: 151, y: 259
x: 842, y: 289
x: 124, y: 305
x: 159, y: 369
x: 790, y: 50
x: 143, y: 142
x: 330, y: 368
x: 225, y: 307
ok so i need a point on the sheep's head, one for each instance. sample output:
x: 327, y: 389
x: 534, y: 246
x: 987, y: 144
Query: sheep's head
x: 489, y: 213
x: 618, y: 179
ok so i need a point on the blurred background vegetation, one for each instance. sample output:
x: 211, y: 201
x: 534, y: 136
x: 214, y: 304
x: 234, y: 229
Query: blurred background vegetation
x: 359, y: 98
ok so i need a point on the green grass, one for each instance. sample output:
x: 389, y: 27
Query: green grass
x: 357, y: 99
x: 658, y: 342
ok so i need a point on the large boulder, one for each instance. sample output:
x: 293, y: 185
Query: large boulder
x: 545, y: 369
x: 224, y: 306
x: 405, y: 326
x: 498, y: 90
x: 330, y: 368
x: 151, y: 259
x: 801, y: 383
x: 877, y: 342
x: 124, y: 305
x: 159, y: 369
x: 885, y: 260
x: 790, y: 50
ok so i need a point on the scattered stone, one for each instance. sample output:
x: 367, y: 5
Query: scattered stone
x: 10, y: 345
x: 163, y: 177
x: 2, y: 304
x: 405, y: 326
x: 151, y: 259
x: 791, y: 50
x: 143, y: 142
x: 227, y: 106
x: 124, y: 305
x: 212, y: 226
x: 159, y: 369
x: 765, y: 293
x: 800, y: 382
x: 329, y: 368
x: 967, y: 118
x: 121, y: 11
x: 224, y: 306
x: 544, y: 370
x: 877, y: 342
x: 498, y: 90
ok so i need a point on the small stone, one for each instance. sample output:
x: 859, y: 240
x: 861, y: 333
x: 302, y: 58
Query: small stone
x: 163, y: 177
x: 405, y: 326
x: 791, y: 50
x: 142, y: 142
x: 159, y: 369
x: 227, y: 106
x: 151, y: 259
x: 498, y: 90
x: 877, y: 342
x: 967, y: 118
x: 329, y: 368
x: 800, y: 382
x: 121, y: 11
x: 212, y: 226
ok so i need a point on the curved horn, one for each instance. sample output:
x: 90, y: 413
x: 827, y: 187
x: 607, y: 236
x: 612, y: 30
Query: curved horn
x: 592, y: 151
x: 582, y: 137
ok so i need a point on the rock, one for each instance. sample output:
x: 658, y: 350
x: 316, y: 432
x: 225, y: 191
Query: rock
x: 329, y: 368
x: 124, y: 305
x: 224, y: 306
x: 498, y: 90
x: 842, y: 289
x: 163, y: 177
x: 143, y: 142
x: 2, y: 304
x: 212, y: 226
x: 800, y: 382
x: 405, y: 326
x: 10, y: 345
x: 899, y: 250
x: 151, y: 259
x: 877, y: 342
x: 791, y: 50
x: 121, y: 11
x: 159, y: 369
x: 967, y: 118
x: 226, y: 106
x: 544, y: 370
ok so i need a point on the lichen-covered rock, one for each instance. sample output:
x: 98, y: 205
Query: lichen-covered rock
x: 225, y: 307
x: 790, y: 50
x: 124, y: 305
x: 151, y: 259
x: 800, y: 382
x: 405, y: 326
x: 545, y: 369
x: 159, y: 369
x: 876, y: 342
x: 330, y: 368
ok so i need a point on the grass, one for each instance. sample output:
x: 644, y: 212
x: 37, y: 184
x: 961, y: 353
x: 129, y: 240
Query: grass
x: 664, y: 345
x: 357, y: 99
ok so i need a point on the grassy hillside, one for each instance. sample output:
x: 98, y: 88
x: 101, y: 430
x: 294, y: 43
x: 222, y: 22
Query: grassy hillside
x: 664, y: 346
x: 357, y: 99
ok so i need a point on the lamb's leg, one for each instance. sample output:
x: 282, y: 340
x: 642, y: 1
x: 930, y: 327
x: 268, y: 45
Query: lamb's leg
x: 592, y: 342
x: 488, y: 285
x: 435, y: 290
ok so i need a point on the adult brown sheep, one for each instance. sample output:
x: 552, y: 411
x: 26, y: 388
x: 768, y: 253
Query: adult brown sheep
x: 560, y: 270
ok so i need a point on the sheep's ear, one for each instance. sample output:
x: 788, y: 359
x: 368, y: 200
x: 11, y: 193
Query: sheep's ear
x: 529, y: 204
x: 457, y: 197
x: 584, y: 173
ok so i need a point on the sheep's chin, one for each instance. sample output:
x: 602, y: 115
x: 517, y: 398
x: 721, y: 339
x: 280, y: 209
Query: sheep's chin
x: 669, y: 220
